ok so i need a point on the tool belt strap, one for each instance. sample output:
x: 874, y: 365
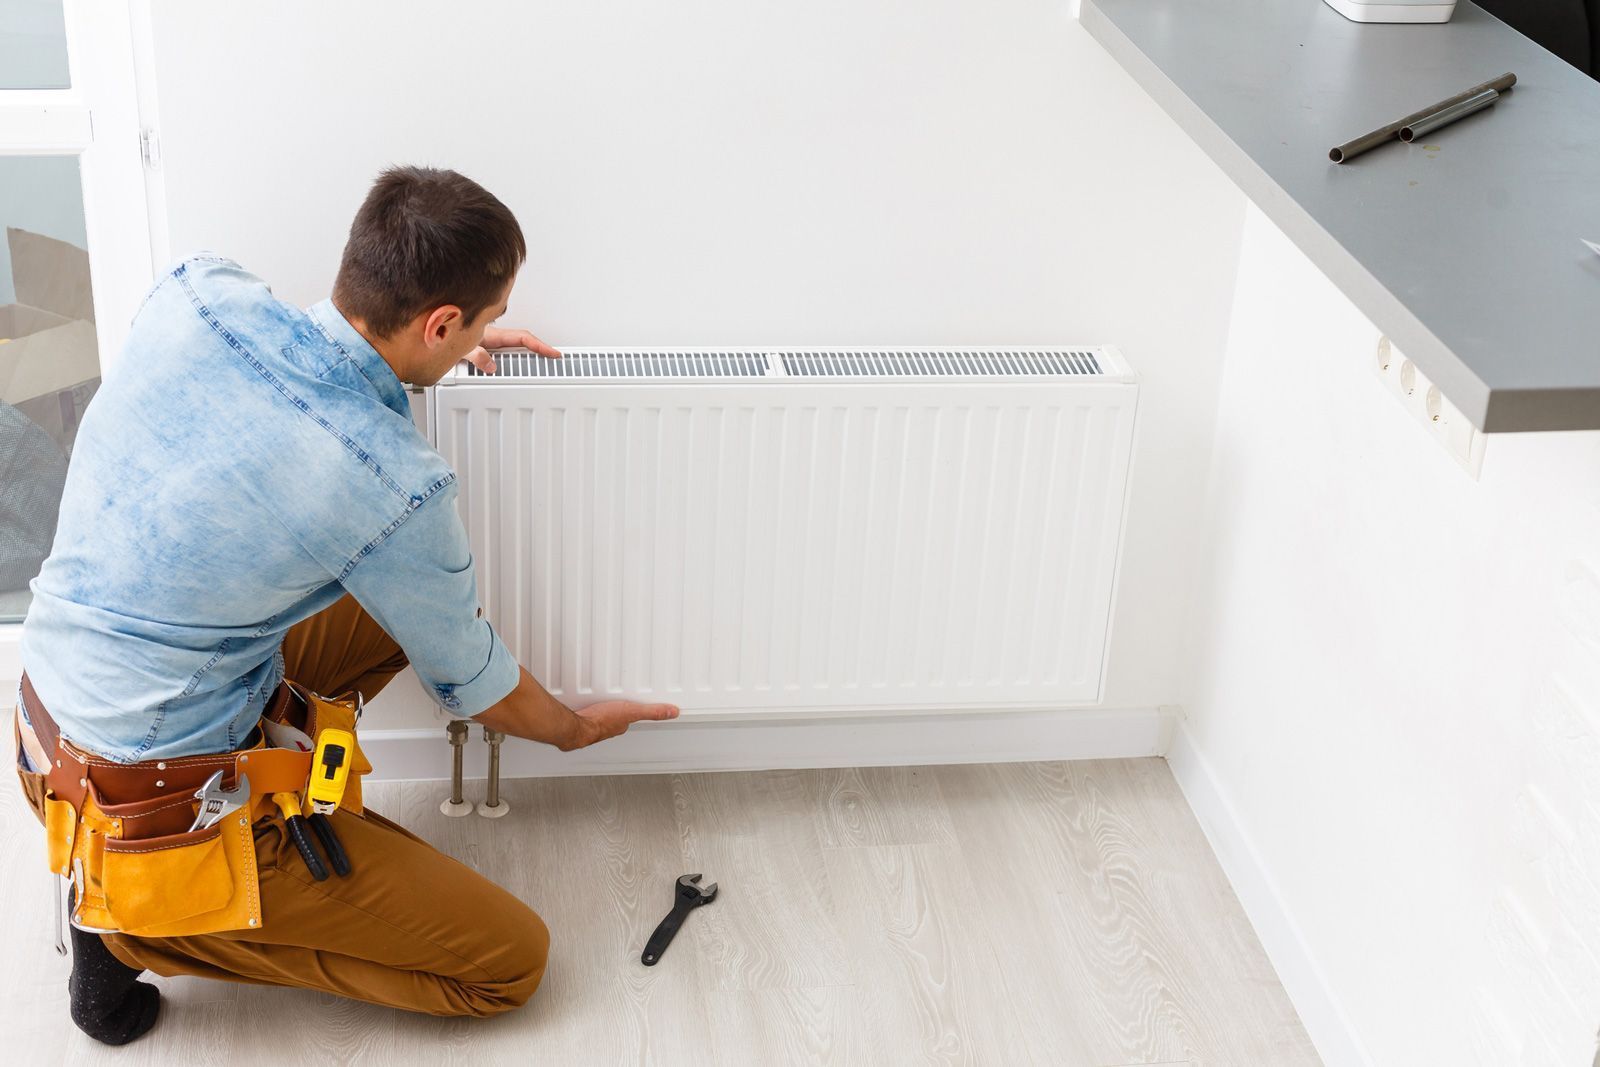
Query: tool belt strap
x: 132, y: 786
x: 125, y: 834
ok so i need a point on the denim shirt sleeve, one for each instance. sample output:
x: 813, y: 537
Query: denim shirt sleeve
x: 419, y: 584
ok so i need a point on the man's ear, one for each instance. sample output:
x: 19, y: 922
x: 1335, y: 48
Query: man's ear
x: 441, y: 321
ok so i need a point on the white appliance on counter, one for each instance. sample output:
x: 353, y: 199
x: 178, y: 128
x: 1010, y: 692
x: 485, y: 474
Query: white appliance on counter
x: 1394, y: 10
x: 825, y: 530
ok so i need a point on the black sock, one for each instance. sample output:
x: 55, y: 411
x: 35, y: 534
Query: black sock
x: 109, y: 1003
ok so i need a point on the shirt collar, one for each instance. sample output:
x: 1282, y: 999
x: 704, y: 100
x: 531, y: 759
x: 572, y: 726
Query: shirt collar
x: 337, y: 329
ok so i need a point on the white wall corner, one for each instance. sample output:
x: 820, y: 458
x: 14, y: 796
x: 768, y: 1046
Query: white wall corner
x: 1172, y: 717
x: 1325, y: 1020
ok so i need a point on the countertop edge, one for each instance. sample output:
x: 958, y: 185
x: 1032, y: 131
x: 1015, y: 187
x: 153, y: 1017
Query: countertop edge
x: 1491, y: 411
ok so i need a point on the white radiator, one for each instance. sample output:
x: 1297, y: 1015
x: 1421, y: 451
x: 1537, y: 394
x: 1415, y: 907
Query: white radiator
x: 798, y: 530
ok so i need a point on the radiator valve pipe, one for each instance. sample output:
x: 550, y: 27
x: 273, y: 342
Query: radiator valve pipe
x: 493, y: 807
x: 454, y: 805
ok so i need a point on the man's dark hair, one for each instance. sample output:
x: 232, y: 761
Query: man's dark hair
x: 424, y: 238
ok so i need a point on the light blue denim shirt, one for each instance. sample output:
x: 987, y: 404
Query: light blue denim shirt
x: 245, y: 464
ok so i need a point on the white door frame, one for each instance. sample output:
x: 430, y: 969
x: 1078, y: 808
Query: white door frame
x: 98, y: 120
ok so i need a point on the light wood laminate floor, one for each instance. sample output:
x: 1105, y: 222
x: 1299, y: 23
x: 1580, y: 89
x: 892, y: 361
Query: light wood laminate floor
x: 1049, y: 913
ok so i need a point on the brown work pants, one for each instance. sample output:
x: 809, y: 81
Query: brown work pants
x: 409, y: 928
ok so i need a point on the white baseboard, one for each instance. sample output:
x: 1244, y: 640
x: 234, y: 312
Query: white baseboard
x: 1330, y: 1029
x: 725, y: 744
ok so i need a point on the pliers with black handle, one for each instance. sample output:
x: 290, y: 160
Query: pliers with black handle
x: 289, y: 805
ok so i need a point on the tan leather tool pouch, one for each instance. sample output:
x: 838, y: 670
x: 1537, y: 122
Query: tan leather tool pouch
x: 178, y: 884
x: 60, y: 831
x: 138, y: 868
x: 340, y: 714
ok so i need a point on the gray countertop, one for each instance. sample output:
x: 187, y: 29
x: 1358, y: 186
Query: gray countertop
x: 1463, y: 247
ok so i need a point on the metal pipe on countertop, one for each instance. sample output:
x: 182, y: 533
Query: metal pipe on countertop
x: 1351, y: 149
x: 1446, y: 116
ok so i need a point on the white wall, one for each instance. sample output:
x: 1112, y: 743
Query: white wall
x: 1396, y: 687
x: 728, y: 173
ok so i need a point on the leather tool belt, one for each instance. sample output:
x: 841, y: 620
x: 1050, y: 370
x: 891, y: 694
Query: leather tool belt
x: 121, y: 832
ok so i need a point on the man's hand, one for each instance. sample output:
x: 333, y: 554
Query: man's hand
x: 608, y: 719
x: 530, y: 711
x: 494, y: 337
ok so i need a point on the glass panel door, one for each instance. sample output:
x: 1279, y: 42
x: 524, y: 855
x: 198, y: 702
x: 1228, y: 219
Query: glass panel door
x: 33, y: 45
x: 74, y: 256
x: 49, y: 358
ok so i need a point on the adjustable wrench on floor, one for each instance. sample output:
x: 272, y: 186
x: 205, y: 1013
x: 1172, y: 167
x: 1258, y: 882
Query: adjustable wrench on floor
x: 687, y: 896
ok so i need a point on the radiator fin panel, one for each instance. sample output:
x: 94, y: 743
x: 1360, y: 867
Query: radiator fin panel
x: 746, y: 548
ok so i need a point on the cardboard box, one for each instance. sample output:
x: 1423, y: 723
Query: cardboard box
x: 49, y: 354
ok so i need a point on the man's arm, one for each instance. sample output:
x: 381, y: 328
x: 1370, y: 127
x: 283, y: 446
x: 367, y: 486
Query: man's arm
x: 530, y: 711
x: 419, y: 584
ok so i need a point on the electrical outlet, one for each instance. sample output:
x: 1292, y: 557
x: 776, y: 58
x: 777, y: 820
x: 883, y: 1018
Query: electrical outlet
x: 1429, y: 406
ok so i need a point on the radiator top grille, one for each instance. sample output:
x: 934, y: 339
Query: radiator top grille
x: 940, y: 363
x: 626, y: 363
x: 621, y: 364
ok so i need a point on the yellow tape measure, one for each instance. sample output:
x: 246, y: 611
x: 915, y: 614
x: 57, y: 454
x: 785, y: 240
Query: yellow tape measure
x: 330, y: 769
